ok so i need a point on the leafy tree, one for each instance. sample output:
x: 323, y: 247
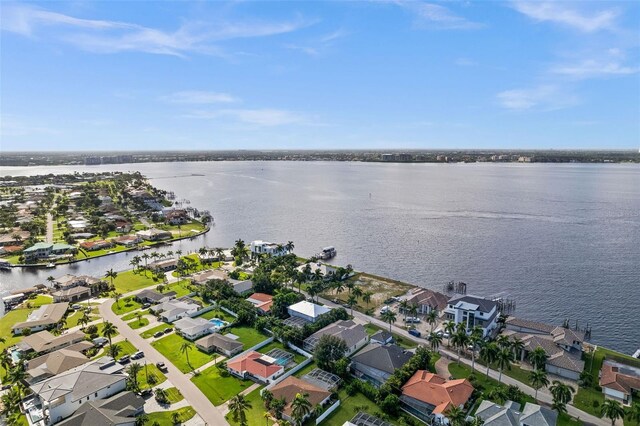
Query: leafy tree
x: 328, y: 351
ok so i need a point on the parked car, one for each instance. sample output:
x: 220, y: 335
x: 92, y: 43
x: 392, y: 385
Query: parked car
x: 76, y: 307
x: 412, y: 320
x: 124, y: 359
x: 146, y: 392
x: 146, y: 305
x: 415, y: 332
x: 161, y: 366
x: 385, y: 309
x: 137, y: 355
x: 168, y: 330
x: 158, y: 334
x: 100, y: 341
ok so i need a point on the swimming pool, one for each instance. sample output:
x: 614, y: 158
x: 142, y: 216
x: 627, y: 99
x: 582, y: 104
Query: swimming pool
x: 218, y: 322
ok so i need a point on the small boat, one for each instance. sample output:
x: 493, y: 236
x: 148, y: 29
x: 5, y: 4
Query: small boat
x: 327, y: 253
x: 50, y: 265
x: 4, y: 265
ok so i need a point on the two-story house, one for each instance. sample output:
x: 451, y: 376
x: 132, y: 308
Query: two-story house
x: 473, y: 311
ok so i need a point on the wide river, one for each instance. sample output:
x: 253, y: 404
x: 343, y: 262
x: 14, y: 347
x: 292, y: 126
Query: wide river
x: 562, y: 240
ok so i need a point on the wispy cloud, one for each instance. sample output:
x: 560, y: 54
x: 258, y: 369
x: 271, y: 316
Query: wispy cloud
x: 319, y: 45
x: 15, y: 126
x: 566, y: 14
x: 101, y: 36
x: 261, y: 117
x: 592, y: 68
x: 435, y: 16
x: 465, y: 62
x: 199, y: 97
x: 543, y: 97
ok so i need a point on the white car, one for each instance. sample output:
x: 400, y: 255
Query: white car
x: 412, y: 320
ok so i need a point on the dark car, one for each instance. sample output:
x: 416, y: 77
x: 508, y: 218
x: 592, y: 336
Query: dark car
x: 168, y: 330
x: 124, y: 359
x: 414, y: 332
x: 146, y: 393
x: 158, y: 333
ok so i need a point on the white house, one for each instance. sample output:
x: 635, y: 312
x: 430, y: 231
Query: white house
x: 192, y: 328
x: 173, y: 310
x: 46, y: 316
x: 307, y: 310
x: 510, y: 414
x: 259, y: 247
x: 473, y: 311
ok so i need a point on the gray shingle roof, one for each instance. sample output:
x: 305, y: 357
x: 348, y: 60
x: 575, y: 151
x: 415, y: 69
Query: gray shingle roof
x: 484, y: 305
x: 386, y: 358
x: 116, y: 410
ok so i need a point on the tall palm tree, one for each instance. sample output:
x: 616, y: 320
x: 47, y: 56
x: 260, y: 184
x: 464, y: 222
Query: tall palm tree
x: 114, y: 350
x: 51, y: 280
x: 475, y: 340
x: 289, y: 246
x: 538, y: 358
x: 538, y: 379
x: 300, y: 407
x: 456, y: 415
x: 175, y: 418
x: 459, y: 341
x: 488, y: 353
x: 133, y: 371
x: 366, y: 298
x: 352, y: 301
x: 562, y: 394
x: 185, y: 348
x: 504, y: 358
x: 517, y: 345
x: 612, y: 410
x: 84, y: 320
x: 404, y: 307
x: 357, y: 292
x: 390, y: 317
x: 436, y: 341
x: 109, y: 330
x: 238, y: 407
x: 145, y: 256
x: 432, y: 318
x: 449, y: 328
x: 634, y: 413
x: 503, y: 341
x: 220, y: 255
x: 111, y: 274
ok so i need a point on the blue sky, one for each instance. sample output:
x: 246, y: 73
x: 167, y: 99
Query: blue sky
x: 319, y: 75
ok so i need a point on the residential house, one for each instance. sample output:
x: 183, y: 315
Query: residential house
x: 473, y: 311
x: 261, y: 301
x: 428, y: 300
x: 173, y: 310
x: 354, y: 335
x: 256, y: 366
x: 72, y: 294
x: 176, y: 217
x: 239, y: 286
x: 122, y: 226
x: 620, y: 382
x: 382, y: 337
x: 46, y: 316
x: 53, y: 363
x: 96, y: 245
x: 510, y: 414
x: 58, y: 397
x: 46, y: 250
x: 429, y: 396
x: 259, y: 247
x: 193, y: 328
x: 154, y: 234
x: 119, y: 410
x: 292, y: 386
x: 128, y: 240
x: 153, y: 296
x: 324, y: 269
x: 69, y: 281
x: 216, y: 342
x: 307, y: 310
x: 562, y: 345
x: 163, y: 265
x: 44, y: 342
x: 14, y: 237
x: 376, y: 363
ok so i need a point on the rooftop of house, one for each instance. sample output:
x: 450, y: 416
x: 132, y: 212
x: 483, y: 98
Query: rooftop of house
x: 192, y: 325
x: 261, y: 301
x: 381, y: 336
x: 154, y: 296
x: 510, y: 414
x: 387, y: 358
x: 115, y: 410
x: 44, y: 340
x: 437, y: 391
x: 621, y: 377
x: 55, y: 362
x: 348, y: 331
x: 220, y: 341
x: 309, y: 309
x: 428, y: 297
x: 475, y: 303
x: 44, y: 315
x: 291, y: 386
x: 73, y: 291
x: 256, y: 364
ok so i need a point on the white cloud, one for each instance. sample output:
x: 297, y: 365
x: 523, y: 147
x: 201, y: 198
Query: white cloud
x: 435, y: 16
x: 14, y: 126
x: 544, y: 97
x: 262, y: 117
x: 591, y: 68
x: 465, y: 62
x: 319, y: 45
x: 561, y: 13
x: 199, y: 97
x: 100, y: 36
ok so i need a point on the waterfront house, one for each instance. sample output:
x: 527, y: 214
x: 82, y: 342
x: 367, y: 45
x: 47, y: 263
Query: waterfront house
x: 429, y: 396
x: 354, y: 335
x: 96, y: 245
x: 173, y: 310
x: 563, y: 346
x: 154, y: 234
x: 72, y: 294
x: 69, y: 281
x: 510, y: 414
x: 57, y: 362
x: 256, y: 366
x: 376, y: 363
x: 473, y: 311
x: 176, y: 217
x: 193, y: 328
x: 46, y: 250
x: 239, y: 286
x: 261, y: 301
x: 216, y: 342
x: 292, y: 386
x: 163, y: 265
x: 118, y: 410
x: 46, y: 316
x: 44, y: 342
x: 427, y: 300
x: 128, y: 240
x: 307, y: 310
x: 259, y: 247
x: 620, y: 382
x: 153, y: 296
x: 58, y: 397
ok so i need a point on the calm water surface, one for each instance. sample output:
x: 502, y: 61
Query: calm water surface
x: 563, y: 240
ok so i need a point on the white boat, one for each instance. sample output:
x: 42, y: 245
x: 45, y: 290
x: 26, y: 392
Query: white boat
x: 328, y: 253
x: 50, y: 265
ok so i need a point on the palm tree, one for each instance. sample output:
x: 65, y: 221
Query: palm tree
x: 117, y: 296
x: 488, y: 354
x: 456, y: 415
x: 366, y: 298
x: 459, y: 341
x: 109, y: 330
x: 390, y: 317
x: 289, y: 246
x: 175, y: 418
x: 220, y: 255
x: 133, y: 371
x: 185, y: 348
x: 436, y: 340
x: 503, y: 358
x: 538, y: 379
x: 538, y: 358
x: 477, y: 421
x: 404, y: 307
x: 238, y: 407
x: 139, y: 317
x: 300, y: 407
x: 114, y: 351
x: 432, y: 318
x: 161, y: 395
x: 634, y: 413
x: 111, y: 274
x: 562, y: 394
x: 449, y: 328
x: 351, y: 301
x: 517, y: 345
x: 612, y: 410
x: 475, y: 339
x: 145, y: 256
x: 503, y: 341
x: 84, y: 320
x: 51, y: 280
x: 357, y: 292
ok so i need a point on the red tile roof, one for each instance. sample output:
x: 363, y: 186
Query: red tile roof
x: 253, y: 364
x: 434, y: 390
x: 612, y: 378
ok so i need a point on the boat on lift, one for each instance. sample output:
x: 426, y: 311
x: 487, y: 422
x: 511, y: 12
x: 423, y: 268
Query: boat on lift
x: 328, y: 253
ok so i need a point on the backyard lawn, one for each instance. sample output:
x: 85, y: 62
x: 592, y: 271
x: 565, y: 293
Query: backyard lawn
x: 169, y: 346
x: 174, y: 395
x: 181, y: 288
x: 38, y: 301
x: 135, y: 324
x: 249, y: 336
x: 217, y: 388
x: 216, y: 313
x: 255, y: 415
x: 347, y: 408
x: 128, y: 281
x: 153, y: 371
x: 149, y: 333
x: 163, y: 418
x: 125, y: 305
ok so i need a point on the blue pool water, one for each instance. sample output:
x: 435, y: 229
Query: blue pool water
x: 218, y: 322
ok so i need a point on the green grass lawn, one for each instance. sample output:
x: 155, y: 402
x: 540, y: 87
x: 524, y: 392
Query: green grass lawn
x: 249, y: 336
x: 174, y: 395
x: 305, y: 370
x: 72, y: 320
x: 181, y: 288
x: 277, y: 345
x: 462, y: 372
x: 152, y: 371
x: 39, y: 300
x: 170, y: 345
x: 215, y: 313
x: 132, y: 315
x: 346, y: 410
x: 6, y: 322
x: 100, y: 326
x: 135, y: 324
x: 128, y: 281
x: 149, y: 333
x: 126, y: 348
x: 86, y: 254
x: 400, y: 341
x: 163, y: 418
x: 217, y: 388
x: 125, y: 305
x: 255, y: 415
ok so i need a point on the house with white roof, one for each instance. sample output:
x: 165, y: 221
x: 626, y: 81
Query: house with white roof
x: 259, y: 247
x: 510, y: 414
x: 307, y: 310
x: 173, y: 310
x: 193, y: 328
x: 473, y: 311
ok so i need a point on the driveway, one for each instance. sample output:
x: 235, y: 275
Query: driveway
x: 209, y: 413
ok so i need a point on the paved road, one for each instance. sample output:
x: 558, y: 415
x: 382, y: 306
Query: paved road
x: 209, y: 413
x: 49, y: 237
